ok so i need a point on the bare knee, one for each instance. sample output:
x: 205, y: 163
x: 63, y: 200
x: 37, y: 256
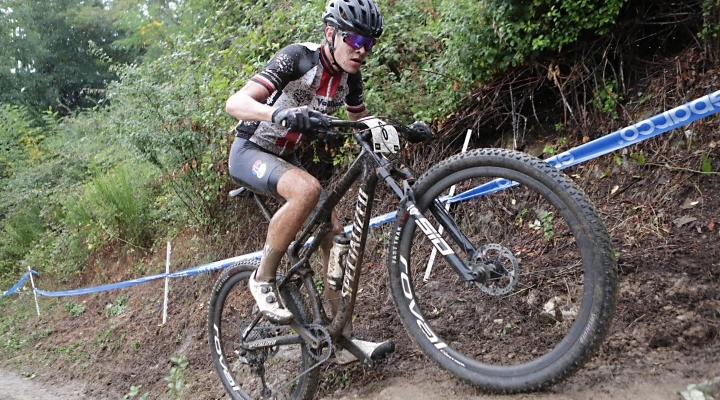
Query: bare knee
x: 300, y: 188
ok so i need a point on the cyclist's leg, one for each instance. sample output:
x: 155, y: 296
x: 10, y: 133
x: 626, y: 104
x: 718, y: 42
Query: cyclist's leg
x: 274, y: 176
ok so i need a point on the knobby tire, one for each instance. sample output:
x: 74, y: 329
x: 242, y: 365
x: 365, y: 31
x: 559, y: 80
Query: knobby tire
x: 231, y: 308
x: 550, y: 301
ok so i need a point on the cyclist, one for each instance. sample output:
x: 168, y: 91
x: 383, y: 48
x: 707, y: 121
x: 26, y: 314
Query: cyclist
x: 274, y: 108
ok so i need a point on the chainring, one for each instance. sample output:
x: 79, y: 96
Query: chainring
x: 324, y: 350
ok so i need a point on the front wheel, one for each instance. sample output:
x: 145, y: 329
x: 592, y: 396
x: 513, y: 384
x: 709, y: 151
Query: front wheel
x: 550, y: 285
x: 262, y: 373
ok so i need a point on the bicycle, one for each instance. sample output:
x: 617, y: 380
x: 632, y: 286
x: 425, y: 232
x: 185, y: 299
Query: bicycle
x: 522, y: 296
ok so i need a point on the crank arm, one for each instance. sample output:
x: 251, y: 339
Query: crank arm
x: 348, y: 345
x: 272, y: 342
x: 306, y: 335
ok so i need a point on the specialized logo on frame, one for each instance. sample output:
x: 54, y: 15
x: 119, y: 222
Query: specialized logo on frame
x: 259, y: 168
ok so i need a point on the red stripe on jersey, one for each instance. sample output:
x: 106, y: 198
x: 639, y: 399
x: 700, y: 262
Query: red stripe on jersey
x: 328, y: 84
x: 288, y: 142
x: 259, y: 79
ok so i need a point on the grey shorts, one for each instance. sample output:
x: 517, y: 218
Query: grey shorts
x: 257, y: 169
x: 260, y: 171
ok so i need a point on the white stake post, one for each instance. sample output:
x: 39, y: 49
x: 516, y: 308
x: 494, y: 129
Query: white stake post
x: 167, y: 278
x: 431, y: 261
x: 32, y: 282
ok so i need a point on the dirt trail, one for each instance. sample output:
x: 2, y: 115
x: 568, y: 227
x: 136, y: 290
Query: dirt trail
x: 426, y: 384
x: 15, y: 387
x: 608, y: 384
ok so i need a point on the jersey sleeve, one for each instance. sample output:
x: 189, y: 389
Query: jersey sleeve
x: 288, y: 64
x: 354, y: 102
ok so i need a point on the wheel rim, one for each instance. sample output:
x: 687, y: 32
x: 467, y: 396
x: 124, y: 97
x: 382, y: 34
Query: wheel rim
x: 243, y: 371
x: 528, y: 322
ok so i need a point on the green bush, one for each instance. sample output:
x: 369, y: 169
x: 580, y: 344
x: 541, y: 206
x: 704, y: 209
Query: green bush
x: 117, y: 205
x: 710, y: 32
x: 22, y: 229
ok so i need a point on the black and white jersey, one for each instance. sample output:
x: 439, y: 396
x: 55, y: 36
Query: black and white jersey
x: 301, y: 75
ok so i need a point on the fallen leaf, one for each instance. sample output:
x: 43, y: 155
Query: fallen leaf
x: 683, y: 220
x: 689, y: 203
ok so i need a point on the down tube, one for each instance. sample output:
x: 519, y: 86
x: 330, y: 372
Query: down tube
x: 358, y: 238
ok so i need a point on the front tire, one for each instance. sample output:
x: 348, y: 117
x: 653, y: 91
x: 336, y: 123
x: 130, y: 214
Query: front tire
x: 231, y: 309
x: 550, y: 297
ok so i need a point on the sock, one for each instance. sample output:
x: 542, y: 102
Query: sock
x: 268, y: 264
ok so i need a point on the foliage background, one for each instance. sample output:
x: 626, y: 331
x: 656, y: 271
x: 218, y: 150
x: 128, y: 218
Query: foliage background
x: 125, y: 147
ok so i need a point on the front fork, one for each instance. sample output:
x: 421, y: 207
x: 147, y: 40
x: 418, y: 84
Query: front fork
x: 470, y: 273
x: 474, y: 273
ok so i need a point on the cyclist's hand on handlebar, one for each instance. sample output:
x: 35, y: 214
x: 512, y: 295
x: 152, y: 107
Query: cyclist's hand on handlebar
x: 300, y: 119
x: 319, y: 120
x: 296, y: 119
x: 418, y: 132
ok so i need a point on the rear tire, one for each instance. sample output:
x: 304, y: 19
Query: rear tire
x: 550, y: 300
x: 232, y: 308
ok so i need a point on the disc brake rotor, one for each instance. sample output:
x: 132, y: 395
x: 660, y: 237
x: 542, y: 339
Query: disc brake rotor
x: 504, y: 269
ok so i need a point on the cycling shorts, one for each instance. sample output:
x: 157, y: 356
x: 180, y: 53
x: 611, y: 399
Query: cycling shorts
x: 257, y: 169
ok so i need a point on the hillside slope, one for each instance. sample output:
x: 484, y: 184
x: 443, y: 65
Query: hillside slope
x: 661, y: 213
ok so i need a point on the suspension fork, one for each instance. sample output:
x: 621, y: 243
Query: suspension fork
x: 448, y: 223
x: 477, y: 273
x: 407, y: 199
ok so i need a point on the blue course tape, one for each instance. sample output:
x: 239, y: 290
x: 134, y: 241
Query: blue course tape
x: 213, y: 266
x: 102, y: 288
x: 653, y: 126
x: 645, y: 129
x: 188, y: 272
x: 22, y: 280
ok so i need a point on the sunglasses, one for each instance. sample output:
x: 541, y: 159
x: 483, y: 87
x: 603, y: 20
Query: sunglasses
x: 357, y: 41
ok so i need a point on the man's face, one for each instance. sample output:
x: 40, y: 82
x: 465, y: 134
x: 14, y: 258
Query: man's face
x: 350, y: 48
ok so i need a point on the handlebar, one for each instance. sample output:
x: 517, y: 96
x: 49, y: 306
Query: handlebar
x: 336, y: 123
x: 415, y: 132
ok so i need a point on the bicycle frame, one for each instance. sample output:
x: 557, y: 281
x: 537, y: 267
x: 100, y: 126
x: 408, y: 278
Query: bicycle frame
x: 370, y: 168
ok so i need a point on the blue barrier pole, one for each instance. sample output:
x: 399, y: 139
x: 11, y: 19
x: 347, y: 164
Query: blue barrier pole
x: 645, y: 129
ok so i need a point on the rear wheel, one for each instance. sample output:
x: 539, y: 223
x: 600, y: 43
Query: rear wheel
x: 264, y: 372
x: 550, y: 291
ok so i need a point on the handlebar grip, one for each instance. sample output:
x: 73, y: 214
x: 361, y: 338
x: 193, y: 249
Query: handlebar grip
x: 316, y: 122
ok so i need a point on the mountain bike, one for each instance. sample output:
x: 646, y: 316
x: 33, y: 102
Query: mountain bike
x: 521, y: 292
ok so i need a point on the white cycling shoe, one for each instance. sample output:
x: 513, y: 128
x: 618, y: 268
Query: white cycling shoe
x: 372, y: 350
x: 267, y: 301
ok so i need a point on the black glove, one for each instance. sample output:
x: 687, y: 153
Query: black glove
x: 418, y: 132
x: 296, y: 119
x: 319, y: 120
